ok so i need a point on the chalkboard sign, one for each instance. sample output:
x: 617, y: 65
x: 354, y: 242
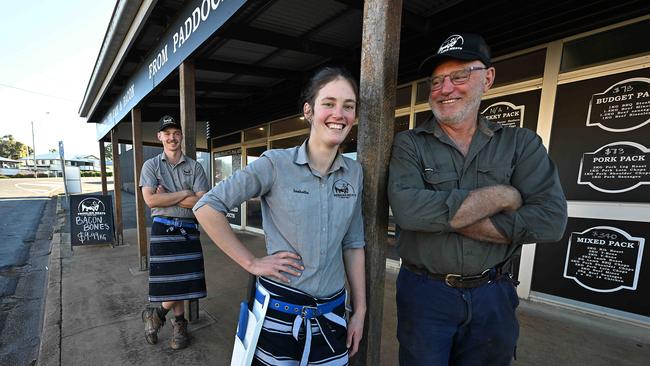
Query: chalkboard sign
x: 600, y: 139
x: 599, y: 262
x: 91, y: 219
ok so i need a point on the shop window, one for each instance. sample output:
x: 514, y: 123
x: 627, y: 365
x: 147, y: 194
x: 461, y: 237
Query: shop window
x: 254, y: 206
x: 231, y: 139
x: 288, y: 142
x: 222, y: 168
x: 403, y: 97
x: 255, y: 133
x: 519, y: 68
x: 627, y: 41
x: 288, y: 125
x: 422, y: 93
x: 401, y: 124
x: 349, y: 146
x: 422, y: 117
x: 225, y: 164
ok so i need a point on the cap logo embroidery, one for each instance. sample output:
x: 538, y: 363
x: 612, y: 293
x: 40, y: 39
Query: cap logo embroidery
x: 168, y: 119
x: 450, y: 44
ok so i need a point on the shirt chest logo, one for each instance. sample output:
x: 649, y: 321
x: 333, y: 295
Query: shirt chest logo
x: 187, y: 171
x: 343, y: 189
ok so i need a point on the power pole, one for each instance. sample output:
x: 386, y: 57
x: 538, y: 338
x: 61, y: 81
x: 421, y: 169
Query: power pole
x: 34, y: 152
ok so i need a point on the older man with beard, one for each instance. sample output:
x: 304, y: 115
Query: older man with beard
x: 466, y: 193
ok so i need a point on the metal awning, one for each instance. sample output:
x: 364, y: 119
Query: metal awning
x: 250, y: 67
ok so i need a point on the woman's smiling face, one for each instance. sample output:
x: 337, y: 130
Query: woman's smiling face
x: 334, y: 112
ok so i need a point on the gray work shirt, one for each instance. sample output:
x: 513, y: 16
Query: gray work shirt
x: 186, y: 174
x: 429, y: 179
x: 315, y: 216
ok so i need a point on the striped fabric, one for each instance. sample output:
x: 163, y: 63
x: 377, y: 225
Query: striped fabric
x: 175, y: 264
x: 277, y: 345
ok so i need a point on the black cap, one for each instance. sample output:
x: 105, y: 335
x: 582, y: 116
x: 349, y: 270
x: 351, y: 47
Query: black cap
x: 168, y: 121
x: 461, y: 46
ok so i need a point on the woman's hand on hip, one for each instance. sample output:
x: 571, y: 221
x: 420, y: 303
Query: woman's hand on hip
x: 278, y: 264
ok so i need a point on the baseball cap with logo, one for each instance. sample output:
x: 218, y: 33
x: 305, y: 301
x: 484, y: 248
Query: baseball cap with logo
x: 460, y: 46
x: 168, y: 121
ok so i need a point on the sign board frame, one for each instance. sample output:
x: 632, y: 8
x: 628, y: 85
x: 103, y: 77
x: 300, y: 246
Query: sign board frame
x: 91, y: 219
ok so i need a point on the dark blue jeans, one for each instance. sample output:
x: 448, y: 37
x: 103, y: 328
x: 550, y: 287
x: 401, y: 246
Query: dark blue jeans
x: 438, y: 325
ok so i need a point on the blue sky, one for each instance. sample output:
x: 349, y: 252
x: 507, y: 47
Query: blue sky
x: 47, y: 53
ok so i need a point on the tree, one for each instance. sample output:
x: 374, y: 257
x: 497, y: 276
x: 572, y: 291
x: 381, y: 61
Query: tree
x: 108, y: 150
x: 53, y: 150
x: 12, y: 149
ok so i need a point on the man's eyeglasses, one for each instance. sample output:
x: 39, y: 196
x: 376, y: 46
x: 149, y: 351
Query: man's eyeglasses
x: 457, y: 77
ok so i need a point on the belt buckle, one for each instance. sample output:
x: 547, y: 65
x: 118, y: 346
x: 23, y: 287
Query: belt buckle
x: 451, y: 276
x: 306, y: 308
x: 486, y: 272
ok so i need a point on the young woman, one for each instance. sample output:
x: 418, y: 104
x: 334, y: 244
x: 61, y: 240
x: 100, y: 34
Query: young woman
x: 311, y: 210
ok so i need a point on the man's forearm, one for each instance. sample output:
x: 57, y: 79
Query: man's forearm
x: 484, y: 230
x: 483, y: 203
x: 190, y: 201
x: 167, y: 199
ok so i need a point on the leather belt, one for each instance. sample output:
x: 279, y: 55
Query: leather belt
x: 186, y: 223
x: 456, y: 280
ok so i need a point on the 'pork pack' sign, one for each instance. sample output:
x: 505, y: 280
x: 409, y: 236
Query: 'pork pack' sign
x: 91, y: 219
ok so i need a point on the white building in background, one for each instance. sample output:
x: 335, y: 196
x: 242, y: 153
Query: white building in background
x: 9, y: 167
x: 50, y: 164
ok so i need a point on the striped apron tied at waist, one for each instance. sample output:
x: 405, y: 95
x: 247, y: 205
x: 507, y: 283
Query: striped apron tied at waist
x: 304, y: 315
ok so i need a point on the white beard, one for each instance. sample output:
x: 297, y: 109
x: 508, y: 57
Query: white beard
x: 470, y: 110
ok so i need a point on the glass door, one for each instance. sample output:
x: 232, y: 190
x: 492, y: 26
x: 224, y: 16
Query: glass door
x: 225, y: 164
x: 253, y: 205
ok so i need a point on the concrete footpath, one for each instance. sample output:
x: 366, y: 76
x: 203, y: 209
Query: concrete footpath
x: 96, y: 293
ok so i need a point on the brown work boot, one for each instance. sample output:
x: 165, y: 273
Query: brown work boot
x: 180, y: 338
x: 152, y: 323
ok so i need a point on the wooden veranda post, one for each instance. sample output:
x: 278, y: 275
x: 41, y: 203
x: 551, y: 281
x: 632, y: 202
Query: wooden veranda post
x: 187, y: 90
x: 138, y: 160
x: 379, y: 60
x: 117, y: 189
x: 102, y: 167
x: 188, y: 107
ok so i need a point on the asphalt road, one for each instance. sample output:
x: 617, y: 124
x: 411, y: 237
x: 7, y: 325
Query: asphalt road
x: 27, y: 218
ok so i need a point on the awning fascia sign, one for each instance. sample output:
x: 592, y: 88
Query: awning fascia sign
x: 196, y: 22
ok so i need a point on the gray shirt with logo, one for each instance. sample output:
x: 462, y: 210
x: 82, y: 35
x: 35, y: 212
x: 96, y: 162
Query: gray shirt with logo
x: 186, y: 174
x: 430, y: 178
x: 317, y: 217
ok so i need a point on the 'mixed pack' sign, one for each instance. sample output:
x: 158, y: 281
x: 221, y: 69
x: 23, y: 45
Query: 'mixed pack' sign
x: 598, y: 261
